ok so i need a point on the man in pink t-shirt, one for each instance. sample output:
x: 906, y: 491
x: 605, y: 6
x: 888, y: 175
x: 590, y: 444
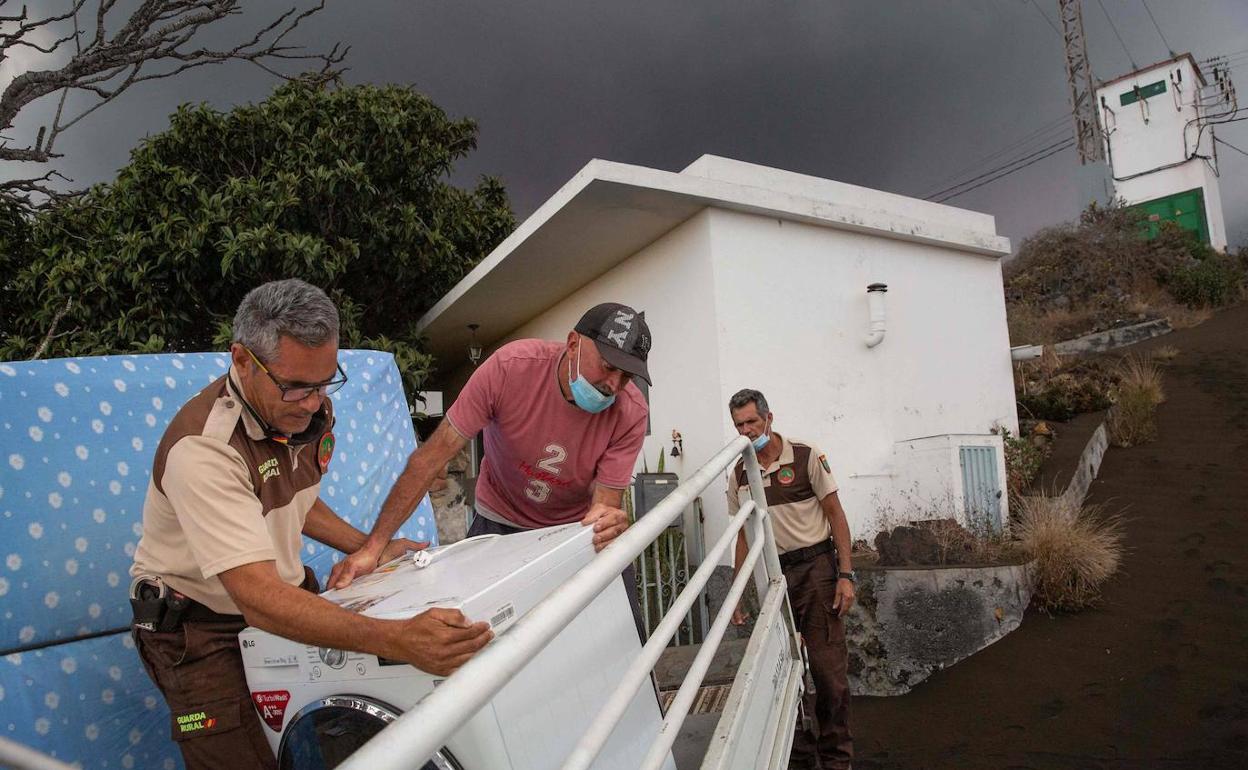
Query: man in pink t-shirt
x: 563, y: 425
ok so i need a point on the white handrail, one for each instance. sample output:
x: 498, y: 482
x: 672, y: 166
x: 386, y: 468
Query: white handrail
x: 421, y: 732
x: 679, y: 709
x: 639, y: 672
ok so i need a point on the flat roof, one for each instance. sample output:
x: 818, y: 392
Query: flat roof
x: 609, y: 211
x: 1151, y: 67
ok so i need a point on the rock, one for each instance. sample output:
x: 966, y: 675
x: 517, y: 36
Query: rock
x: 907, y: 546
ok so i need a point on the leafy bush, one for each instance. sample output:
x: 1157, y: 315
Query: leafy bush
x: 1099, y: 273
x: 1023, y: 459
x: 1077, y: 387
x: 344, y: 187
x: 1076, y: 549
x: 1216, y: 280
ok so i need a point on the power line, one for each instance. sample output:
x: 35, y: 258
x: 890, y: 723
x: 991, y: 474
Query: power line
x: 1220, y: 140
x: 1114, y: 27
x: 991, y: 171
x: 1038, y: 134
x: 1066, y: 145
x: 994, y: 170
x: 1158, y: 28
x: 991, y: 164
x: 1046, y: 17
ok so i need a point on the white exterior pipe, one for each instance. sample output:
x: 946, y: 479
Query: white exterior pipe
x: 875, y: 305
x: 1026, y: 352
x: 415, y: 736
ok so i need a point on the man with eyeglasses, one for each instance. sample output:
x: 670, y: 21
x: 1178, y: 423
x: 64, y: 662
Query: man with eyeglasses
x: 234, y: 489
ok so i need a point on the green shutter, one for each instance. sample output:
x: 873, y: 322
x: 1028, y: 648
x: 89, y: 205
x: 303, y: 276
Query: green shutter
x: 1186, y: 209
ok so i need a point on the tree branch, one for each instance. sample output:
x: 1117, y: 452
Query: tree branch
x: 157, y: 32
x: 51, y: 335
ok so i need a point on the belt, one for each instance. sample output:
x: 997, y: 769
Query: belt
x: 157, y: 607
x: 800, y: 555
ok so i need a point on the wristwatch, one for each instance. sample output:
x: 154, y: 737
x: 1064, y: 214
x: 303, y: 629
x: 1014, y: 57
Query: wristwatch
x: 851, y: 576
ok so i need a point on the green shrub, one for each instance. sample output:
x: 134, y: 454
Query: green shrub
x: 1023, y: 459
x: 1213, y: 281
x: 346, y: 187
x: 1079, y: 388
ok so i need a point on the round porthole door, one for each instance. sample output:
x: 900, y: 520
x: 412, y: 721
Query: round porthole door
x: 327, y: 731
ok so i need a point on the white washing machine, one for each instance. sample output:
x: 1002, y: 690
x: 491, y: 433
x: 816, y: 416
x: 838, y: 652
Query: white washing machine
x: 321, y: 704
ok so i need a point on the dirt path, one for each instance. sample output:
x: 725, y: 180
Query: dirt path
x: 1158, y: 676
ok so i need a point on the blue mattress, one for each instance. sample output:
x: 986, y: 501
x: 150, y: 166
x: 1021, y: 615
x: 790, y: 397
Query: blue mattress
x: 77, y: 438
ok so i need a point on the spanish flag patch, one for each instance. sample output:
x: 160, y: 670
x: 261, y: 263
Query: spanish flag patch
x: 823, y: 460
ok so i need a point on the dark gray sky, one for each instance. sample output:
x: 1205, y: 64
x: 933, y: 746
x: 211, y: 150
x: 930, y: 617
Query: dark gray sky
x: 899, y: 96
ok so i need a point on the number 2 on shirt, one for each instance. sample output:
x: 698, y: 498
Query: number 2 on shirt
x: 538, y: 490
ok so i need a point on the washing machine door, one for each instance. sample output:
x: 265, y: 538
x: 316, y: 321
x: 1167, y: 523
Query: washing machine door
x: 327, y: 731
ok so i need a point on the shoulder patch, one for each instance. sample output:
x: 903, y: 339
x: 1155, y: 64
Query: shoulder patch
x: 325, y: 450
x: 823, y: 460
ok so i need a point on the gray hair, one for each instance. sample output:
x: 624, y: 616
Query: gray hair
x: 746, y: 396
x: 291, y: 307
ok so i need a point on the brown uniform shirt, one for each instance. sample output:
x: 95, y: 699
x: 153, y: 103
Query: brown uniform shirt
x: 223, y: 495
x: 793, y: 485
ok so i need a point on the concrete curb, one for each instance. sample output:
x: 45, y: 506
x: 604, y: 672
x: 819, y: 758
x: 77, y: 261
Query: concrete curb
x: 1089, y: 466
x: 1114, y: 338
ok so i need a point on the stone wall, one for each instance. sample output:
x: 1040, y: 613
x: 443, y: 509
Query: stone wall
x: 451, y: 496
x: 911, y: 622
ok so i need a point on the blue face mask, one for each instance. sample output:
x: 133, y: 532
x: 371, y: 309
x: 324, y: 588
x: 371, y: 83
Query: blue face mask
x: 761, y: 442
x: 585, y: 395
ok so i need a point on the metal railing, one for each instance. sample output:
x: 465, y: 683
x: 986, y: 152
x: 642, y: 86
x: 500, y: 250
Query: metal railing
x: 662, y: 573
x: 755, y: 730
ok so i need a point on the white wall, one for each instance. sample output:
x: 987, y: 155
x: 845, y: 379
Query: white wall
x: 792, y: 307
x: 1159, y: 131
x: 738, y: 300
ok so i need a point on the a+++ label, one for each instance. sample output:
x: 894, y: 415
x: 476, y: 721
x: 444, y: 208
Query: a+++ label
x: 271, y: 705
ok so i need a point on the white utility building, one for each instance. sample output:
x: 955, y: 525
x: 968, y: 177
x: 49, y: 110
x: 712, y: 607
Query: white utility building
x: 1158, y: 125
x: 754, y: 277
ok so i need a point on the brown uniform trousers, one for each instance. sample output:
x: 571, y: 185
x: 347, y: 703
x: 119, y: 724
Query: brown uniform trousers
x: 812, y: 590
x: 199, y: 669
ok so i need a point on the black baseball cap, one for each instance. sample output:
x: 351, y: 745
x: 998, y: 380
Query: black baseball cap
x: 621, y: 335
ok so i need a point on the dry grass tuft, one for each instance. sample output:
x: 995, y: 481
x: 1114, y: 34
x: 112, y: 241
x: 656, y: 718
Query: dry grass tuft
x: 1165, y: 354
x: 1140, y: 372
x: 1183, y: 317
x: 1133, y: 417
x: 1076, y: 549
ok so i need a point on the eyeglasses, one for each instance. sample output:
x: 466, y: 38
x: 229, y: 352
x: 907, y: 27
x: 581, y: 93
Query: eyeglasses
x: 301, y: 391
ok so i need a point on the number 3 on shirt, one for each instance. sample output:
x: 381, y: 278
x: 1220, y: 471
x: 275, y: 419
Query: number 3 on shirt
x: 538, y: 490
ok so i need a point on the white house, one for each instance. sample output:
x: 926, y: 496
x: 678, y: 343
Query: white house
x: 755, y: 277
x: 1158, y: 123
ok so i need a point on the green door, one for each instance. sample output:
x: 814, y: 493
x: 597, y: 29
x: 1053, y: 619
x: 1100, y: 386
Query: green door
x: 1186, y: 209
